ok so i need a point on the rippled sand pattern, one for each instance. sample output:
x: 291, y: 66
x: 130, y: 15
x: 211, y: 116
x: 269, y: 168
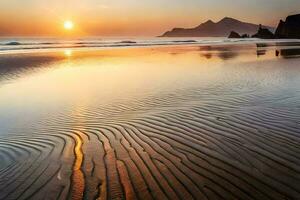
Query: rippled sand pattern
x: 225, y: 132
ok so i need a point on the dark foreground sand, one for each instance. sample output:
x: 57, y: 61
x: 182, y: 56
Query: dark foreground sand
x: 195, y: 122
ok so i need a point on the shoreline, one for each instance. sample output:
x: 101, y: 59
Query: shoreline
x: 18, y: 49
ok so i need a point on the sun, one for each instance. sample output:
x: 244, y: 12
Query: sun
x: 68, y: 25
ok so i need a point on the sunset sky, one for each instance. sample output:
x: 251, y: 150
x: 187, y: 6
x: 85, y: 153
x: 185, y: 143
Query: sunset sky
x: 131, y: 17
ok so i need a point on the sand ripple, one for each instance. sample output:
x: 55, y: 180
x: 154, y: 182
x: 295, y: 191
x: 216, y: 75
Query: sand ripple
x: 184, y: 145
x: 233, y: 136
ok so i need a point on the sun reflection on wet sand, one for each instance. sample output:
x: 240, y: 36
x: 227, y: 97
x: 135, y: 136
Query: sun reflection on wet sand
x: 77, y: 175
x: 68, y: 52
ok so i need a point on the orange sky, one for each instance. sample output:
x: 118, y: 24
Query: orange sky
x: 130, y: 17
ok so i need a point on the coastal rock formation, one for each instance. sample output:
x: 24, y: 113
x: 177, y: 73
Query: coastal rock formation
x: 290, y: 28
x: 234, y: 35
x: 245, y: 36
x: 212, y: 29
x: 263, y: 33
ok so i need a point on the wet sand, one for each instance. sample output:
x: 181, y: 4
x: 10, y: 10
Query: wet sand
x: 186, y: 122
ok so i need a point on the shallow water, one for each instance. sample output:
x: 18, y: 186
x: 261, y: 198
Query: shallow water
x: 42, y: 44
x: 180, y: 122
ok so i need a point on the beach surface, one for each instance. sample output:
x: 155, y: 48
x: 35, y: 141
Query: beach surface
x: 171, y: 122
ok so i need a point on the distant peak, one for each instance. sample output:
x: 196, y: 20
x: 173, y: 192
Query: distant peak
x: 228, y: 19
x: 209, y: 21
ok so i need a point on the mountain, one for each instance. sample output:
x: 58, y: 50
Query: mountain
x: 218, y: 29
x: 290, y: 28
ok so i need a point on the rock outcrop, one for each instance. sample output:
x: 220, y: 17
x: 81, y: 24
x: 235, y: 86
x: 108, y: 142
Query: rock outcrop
x: 263, y: 33
x: 245, y: 36
x: 234, y: 35
x: 290, y: 28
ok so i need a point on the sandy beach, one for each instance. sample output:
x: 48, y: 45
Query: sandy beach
x: 157, y: 122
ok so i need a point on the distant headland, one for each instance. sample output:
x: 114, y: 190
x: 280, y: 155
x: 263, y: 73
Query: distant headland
x: 233, y: 28
x: 216, y: 29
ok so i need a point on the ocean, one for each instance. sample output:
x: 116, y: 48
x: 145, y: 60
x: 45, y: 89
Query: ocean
x: 8, y: 45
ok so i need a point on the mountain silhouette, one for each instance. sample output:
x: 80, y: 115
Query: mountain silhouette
x: 218, y: 29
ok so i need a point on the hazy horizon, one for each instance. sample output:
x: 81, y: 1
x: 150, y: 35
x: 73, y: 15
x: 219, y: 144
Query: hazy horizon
x: 131, y: 18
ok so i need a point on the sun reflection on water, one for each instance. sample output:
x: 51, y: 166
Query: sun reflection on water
x: 68, y: 52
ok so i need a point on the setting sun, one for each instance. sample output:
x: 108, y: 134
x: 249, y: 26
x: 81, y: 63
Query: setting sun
x: 68, y: 25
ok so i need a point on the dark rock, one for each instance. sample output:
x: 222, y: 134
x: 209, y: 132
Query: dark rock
x: 245, y: 36
x: 13, y: 43
x: 290, y: 28
x: 234, y: 35
x: 127, y: 42
x: 263, y: 33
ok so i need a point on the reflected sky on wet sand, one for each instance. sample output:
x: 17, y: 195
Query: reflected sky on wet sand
x: 181, y: 122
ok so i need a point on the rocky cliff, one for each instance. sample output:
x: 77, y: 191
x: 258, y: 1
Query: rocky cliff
x: 290, y: 28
